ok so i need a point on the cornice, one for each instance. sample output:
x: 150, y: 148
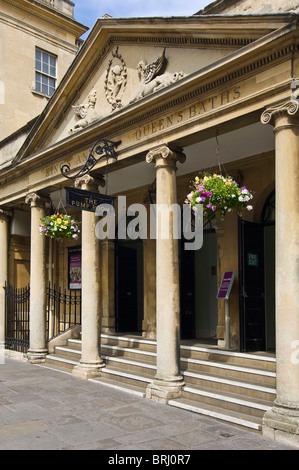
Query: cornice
x: 50, y: 15
x: 38, y: 33
x: 245, y: 62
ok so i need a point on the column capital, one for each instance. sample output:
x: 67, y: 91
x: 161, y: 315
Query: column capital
x: 89, y: 182
x: 164, y: 152
x: 5, y: 214
x: 288, y: 108
x: 35, y: 200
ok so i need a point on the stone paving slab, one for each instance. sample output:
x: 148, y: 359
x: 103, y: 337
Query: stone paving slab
x: 44, y: 409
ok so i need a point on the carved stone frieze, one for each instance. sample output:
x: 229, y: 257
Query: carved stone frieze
x: 116, y: 80
x: 86, y: 112
x: 150, y: 80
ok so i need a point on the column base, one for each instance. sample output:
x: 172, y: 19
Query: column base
x: 281, y: 423
x: 164, y: 390
x: 37, y: 356
x: 88, y: 370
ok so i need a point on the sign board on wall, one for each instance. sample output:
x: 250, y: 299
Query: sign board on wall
x: 75, y: 258
x: 226, y: 285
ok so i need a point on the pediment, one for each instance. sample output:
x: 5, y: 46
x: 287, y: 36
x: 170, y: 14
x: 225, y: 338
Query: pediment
x: 124, y: 62
x: 129, y: 74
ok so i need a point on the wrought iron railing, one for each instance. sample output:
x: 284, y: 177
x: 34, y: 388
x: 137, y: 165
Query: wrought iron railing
x: 17, y: 318
x: 63, y: 310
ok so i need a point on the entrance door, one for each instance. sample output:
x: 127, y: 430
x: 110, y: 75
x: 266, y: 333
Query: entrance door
x: 187, y: 293
x: 126, y: 289
x: 251, y: 277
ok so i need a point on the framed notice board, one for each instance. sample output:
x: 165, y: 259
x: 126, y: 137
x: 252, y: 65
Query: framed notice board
x: 74, y: 267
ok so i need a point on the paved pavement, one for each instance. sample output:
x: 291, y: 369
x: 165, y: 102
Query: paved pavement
x: 43, y: 409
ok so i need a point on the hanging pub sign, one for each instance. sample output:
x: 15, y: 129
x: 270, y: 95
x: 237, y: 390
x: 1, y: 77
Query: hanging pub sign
x: 86, y: 200
x: 226, y: 285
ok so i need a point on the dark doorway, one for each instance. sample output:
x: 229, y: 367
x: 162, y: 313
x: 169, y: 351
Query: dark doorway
x: 128, y: 293
x: 251, y: 282
x: 187, y: 293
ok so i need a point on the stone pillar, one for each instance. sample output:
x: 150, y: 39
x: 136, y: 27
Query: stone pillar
x: 282, y: 421
x: 168, y: 381
x: 4, y: 217
x: 38, y: 344
x: 91, y: 362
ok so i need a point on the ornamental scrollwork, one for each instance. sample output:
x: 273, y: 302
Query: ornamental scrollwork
x: 290, y: 107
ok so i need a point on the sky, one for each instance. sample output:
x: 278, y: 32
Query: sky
x: 87, y: 11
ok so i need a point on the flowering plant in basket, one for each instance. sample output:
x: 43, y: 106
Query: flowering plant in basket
x: 218, y: 194
x: 59, y: 226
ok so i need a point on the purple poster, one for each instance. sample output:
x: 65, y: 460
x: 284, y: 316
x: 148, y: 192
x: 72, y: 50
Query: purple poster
x: 74, y: 268
x: 226, y: 285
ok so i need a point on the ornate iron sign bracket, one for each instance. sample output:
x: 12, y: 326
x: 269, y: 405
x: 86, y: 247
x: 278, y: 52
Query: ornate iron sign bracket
x: 104, y: 148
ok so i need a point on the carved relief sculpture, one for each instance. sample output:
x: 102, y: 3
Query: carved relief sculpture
x: 150, y: 81
x: 116, y: 80
x: 86, y: 112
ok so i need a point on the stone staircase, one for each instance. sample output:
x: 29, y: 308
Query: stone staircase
x: 230, y: 386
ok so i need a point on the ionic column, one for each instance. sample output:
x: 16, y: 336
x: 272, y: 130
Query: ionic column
x: 38, y: 343
x: 91, y: 362
x: 168, y: 381
x: 4, y: 217
x: 282, y: 422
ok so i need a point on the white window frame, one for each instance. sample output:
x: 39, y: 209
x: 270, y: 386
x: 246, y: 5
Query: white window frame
x: 45, y: 72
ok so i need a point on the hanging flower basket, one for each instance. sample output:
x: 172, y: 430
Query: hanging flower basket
x: 59, y: 226
x: 218, y: 194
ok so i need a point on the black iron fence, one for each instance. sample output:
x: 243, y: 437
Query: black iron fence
x: 17, y: 318
x: 63, y: 311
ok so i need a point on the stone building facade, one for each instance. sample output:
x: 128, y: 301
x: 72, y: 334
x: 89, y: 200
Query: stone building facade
x: 179, y: 96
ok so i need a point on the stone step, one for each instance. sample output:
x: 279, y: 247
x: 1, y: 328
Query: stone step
x: 54, y: 360
x: 250, y: 389
x: 229, y: 370
x: 117, y: 385
x: 136, y: 342
x: 124, y: 378
x: 130, y: 365
x: 224, y: 376
x: 227, y: 400
x: 138, y: 359
x: 239, y: 419
x: 221, y: 384
x: 191, y: 349
x: 254, y: 360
